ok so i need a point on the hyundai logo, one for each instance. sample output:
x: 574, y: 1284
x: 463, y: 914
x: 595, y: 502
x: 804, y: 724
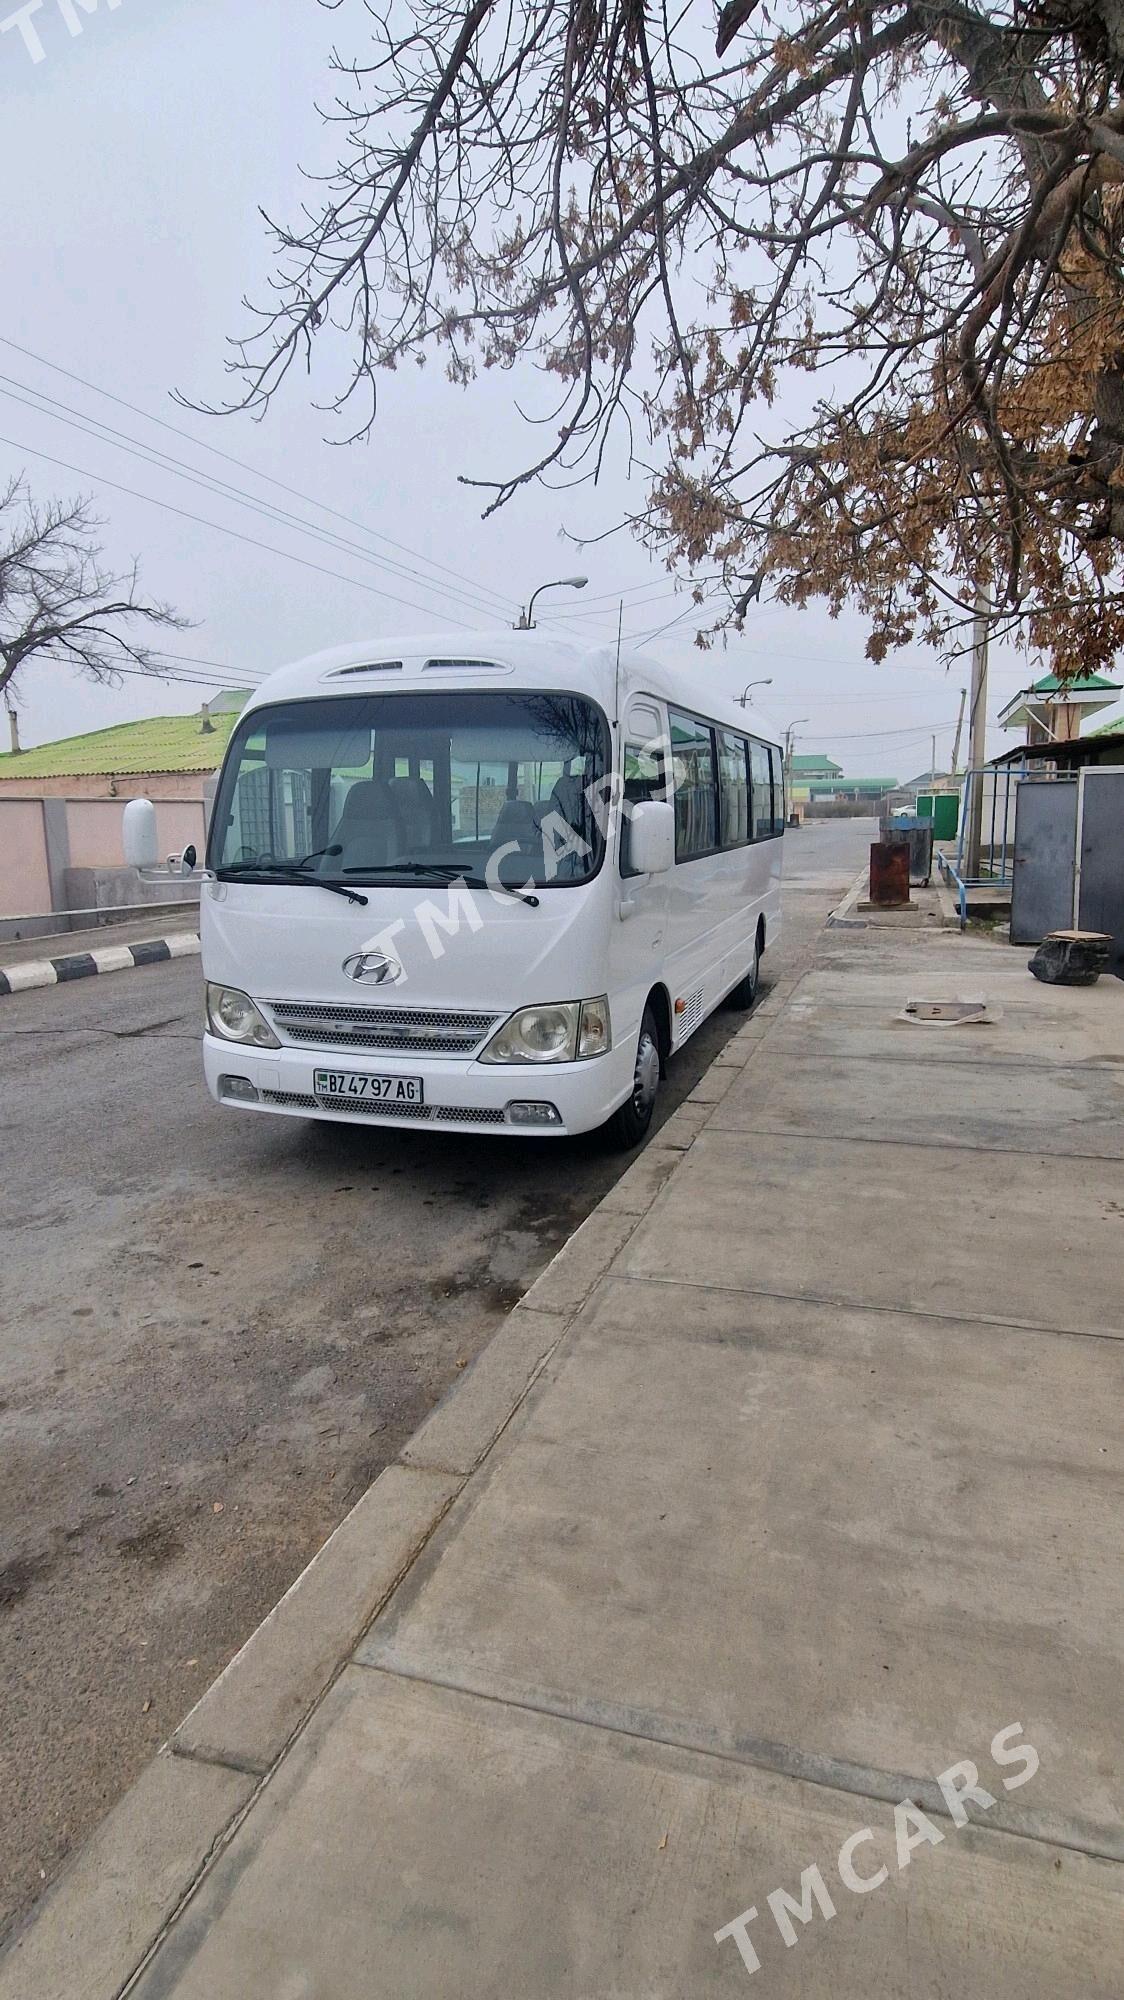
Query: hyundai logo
x: 373, y: 967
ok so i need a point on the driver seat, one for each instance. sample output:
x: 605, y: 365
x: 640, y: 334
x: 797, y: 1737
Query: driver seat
x: 369, y: 831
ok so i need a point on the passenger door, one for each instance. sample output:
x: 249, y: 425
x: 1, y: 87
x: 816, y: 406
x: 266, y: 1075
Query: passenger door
x: 696, y: 937
x: 637, y: 944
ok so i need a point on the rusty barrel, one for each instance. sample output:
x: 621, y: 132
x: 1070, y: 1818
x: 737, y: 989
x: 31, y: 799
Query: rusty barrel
x: 889, y: 874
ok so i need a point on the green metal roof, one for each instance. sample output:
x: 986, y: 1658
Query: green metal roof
x: 820, y: 763
x: 1083, y: 684
x: 842, y: 784
x: 160, y: 744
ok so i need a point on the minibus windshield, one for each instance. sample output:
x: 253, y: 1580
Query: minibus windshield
x: 387, y: 787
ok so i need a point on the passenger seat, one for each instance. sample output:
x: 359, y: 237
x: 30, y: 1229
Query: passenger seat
x: 413, y: 802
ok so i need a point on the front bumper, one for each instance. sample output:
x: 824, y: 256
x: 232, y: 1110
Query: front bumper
x: 458, y: 1096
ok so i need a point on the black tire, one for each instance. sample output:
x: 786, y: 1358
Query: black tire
x: 629, y: 1124
x: 745, y: 992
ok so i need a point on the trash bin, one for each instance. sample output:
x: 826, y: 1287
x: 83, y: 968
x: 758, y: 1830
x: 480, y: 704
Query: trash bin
x: 919, y: 834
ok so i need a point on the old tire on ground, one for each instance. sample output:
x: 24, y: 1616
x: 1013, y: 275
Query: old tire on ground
x: 1071, y: 958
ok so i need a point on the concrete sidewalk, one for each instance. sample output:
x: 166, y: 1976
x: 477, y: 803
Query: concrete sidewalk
x: 788, y: 1488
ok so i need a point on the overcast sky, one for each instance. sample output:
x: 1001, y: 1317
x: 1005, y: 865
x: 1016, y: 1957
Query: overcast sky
x: 134, y: 158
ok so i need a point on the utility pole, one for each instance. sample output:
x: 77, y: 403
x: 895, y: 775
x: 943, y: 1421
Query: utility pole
x: 933, y: 760
x: 789, y: 741
x: 977, y: 729
x: 959, y: 729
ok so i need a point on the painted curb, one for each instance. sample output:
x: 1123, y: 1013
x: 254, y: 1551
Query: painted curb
x: 109, y: 958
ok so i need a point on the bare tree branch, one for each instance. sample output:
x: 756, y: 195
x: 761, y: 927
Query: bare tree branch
x: 883, y: 239
x: 58, y: 602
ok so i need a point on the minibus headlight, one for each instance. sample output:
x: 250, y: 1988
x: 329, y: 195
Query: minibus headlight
x: 536, y: 1035
x: 234, y: 1016
x: 559, y: 1032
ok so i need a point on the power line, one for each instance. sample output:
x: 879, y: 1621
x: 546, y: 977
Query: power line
x: 294, y: 492
x: 236, y: 533
x: 867, y: 700
x: 622, y: 590
x: 644, y: 638
x: 875, y: 737
x: 613, y: 597
x: 661, y: 597
x: 194, y: 660
x: 163, y: 677
x: 149, y: 455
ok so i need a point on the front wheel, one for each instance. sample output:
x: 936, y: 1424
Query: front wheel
x: 745, y: 992
x: 628, y: 1125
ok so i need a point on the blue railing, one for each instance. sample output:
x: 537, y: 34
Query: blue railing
x: 996, y: 784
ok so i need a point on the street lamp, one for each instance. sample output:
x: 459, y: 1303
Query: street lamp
x: 742, y: 698
x: 526, y: 622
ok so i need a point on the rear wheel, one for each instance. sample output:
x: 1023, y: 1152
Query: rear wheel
x: 628, y: 1125
x: 745, y: 992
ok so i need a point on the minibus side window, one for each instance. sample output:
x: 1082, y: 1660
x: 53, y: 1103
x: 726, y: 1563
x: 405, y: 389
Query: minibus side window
x: 778, y: 791
x: 734, y: 797
x: 762, y: 777
x: 644, y: 779
x: 696, y: 786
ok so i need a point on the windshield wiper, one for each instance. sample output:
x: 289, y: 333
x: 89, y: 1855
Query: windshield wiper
x: 505, y: 888
x: 270, y: 871
x: 446, y: 871
x: 316, y: 855
x: 284, y: 863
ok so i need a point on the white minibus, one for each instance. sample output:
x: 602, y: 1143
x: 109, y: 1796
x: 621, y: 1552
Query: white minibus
x: 489, y: 885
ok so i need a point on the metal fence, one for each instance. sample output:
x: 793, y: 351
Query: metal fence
x: 99, y: 916
x: 985, y: 843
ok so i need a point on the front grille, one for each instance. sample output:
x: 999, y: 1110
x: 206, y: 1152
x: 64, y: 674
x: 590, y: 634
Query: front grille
x: 408, y: 1030
x: 419, y: 1114
x: 378, y: 1107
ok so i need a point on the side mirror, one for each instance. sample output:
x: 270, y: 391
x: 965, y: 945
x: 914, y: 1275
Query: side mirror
x: 188, y: 860
x: 651, y: 837
x: 138, y: 834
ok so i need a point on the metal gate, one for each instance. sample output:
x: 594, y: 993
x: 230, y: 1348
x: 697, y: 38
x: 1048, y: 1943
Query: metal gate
x: 1099, y: 890
x: 1042, y: 883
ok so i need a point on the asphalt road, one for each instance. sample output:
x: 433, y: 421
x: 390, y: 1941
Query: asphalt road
x: 216, y: 1330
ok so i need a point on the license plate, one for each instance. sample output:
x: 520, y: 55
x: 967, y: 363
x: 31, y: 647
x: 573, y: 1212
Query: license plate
x: 358, y: 1084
